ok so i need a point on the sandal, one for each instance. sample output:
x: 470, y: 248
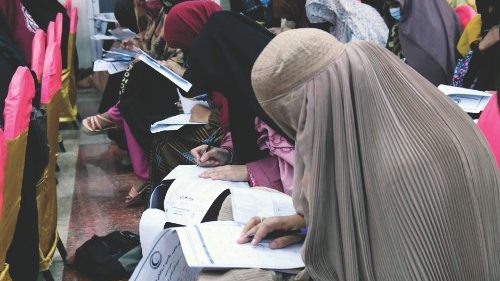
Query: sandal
x: 136, y: 197
x: 93, y: 125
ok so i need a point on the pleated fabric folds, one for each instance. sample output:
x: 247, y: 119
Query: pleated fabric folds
x: 394, y: 180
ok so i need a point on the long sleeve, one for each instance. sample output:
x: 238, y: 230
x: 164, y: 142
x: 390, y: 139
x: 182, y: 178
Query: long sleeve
x: 265, y: 172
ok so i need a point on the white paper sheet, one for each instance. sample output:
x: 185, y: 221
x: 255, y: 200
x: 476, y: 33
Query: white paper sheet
x: 150, y: 225
x: 188, y: 104
x: 164, y: 128
x: 165, y: 261
x: 104, y: 37
x: 111, y: 67
x: 122, y: 33
x: 471, y: 101
x: 248, y: 203
x: 107, y: 17
x: 189, y: 198
x: 176, y: 79
x: 173, y: 123
x: 213, y: 245
x: 186, y: 171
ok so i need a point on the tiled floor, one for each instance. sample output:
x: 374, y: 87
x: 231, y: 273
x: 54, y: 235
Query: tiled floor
x: 92, y: 186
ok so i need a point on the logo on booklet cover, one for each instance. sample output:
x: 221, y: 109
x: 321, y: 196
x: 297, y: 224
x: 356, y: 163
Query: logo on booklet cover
x: 155, y: 260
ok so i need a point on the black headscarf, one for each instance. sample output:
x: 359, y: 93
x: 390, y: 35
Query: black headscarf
x: 221, y: 59
x: 125, y: 14
x: 45, y: 11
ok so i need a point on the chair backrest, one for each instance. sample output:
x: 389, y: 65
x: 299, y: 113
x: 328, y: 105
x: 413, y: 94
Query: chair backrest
x: 38, y: 53
x: 68, y: 5
x: 18, y: 103
x: 51, y: 33
x: 3, y: 161
x: 73, y: 20
x: 59, y: 28
x: 52, y: 72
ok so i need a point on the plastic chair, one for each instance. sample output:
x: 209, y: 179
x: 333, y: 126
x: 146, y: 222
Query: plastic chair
x: 46, y: 189
x: 17, y: 115
x: 69, y: 111
x: 38, y: 53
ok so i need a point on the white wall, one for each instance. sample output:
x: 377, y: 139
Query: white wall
x: 83, y: 40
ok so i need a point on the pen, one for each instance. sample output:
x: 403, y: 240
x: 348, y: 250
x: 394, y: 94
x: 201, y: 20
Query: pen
x: 210, y: 144
x: 280, y: 233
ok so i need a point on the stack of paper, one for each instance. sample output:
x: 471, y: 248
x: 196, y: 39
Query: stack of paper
x: 106, y: 17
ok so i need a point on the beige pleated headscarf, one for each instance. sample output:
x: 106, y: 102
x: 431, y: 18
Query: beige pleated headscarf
x: 394, y: 180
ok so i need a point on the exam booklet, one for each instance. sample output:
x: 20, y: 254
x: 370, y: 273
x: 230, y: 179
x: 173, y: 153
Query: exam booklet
x: 179, y: 254
x: 470, y: 101
x: 165, y: 71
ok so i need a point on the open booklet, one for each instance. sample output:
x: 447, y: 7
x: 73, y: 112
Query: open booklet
x: 172, y: 76
x: 470, y: 101
x: 179, y: 254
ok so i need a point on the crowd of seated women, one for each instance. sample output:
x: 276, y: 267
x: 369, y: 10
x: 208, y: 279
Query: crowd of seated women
x: 335, y: 103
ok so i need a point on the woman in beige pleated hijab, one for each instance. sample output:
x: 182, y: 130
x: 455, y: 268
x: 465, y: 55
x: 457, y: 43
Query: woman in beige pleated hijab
x: 393, y: 180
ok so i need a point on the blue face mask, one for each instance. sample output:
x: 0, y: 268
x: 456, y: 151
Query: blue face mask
x: 395, y: 13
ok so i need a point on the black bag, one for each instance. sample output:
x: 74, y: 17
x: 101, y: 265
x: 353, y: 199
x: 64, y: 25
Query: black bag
x: 110, y: 257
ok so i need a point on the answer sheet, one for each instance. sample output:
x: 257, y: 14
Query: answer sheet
x: 189, y: 198
x: 188, y: 104
x: 248, y: 203
x: 213, y: 245
x: 165, y: 261
x: 173, y: 123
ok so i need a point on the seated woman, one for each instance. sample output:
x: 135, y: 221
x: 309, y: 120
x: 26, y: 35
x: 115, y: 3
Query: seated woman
x: 348, y: 20
x: 220, y: 59
x: 424, y: 34
x: 140, y: 104
x: 392, y: 180
x: 169, y: 149
x: 479, y: 45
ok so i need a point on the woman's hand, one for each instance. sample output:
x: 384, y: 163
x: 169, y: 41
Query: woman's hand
x: 199, y: 114
x: 175, y: 67
x: 129, y: 44
x: 491, y: 38
x: 211, y: 158
x: 261, y: 227
x: 227, y: 173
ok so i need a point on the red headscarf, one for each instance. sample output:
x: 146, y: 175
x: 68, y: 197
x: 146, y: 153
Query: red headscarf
x: 185, y: 20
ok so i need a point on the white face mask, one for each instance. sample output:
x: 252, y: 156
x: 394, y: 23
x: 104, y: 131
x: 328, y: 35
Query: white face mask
x: 395, y: 13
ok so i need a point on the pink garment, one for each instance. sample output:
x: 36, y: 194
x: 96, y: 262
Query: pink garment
x: 73, y: 20
x: 52, y: 72
x: 38, y: 53
x: 464, y: 14
x: 275, y: 171
x: 18, y: 103
x: 489, y: 123
x: 3, y: 161
x: 58, y: 28
x: 139, y: 160
x: 21, y: 24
